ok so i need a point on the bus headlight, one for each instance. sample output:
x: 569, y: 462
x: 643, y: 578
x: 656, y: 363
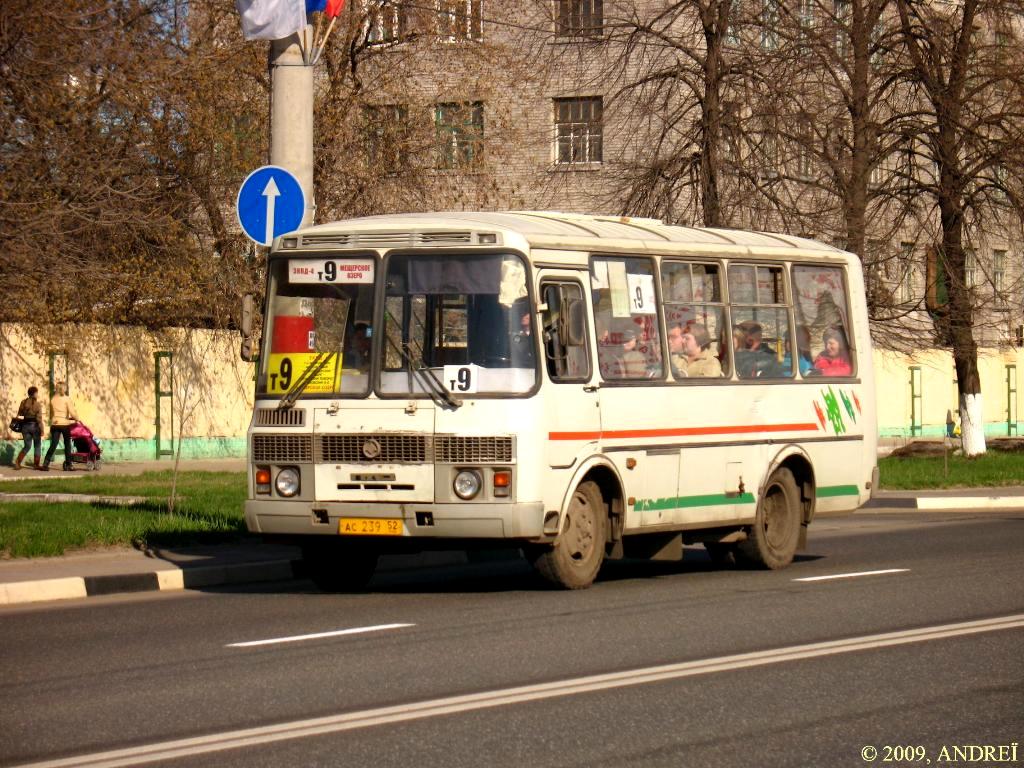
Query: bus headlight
x: 467, y: 484
x: 287, y: 482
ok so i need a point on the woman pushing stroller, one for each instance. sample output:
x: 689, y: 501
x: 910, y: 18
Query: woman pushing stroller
x: 62, y: 418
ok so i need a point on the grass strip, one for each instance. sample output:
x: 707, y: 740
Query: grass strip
x: 993, y: 469
x: 209, y: 511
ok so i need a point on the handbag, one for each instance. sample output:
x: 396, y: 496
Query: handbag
x: 16, y: 424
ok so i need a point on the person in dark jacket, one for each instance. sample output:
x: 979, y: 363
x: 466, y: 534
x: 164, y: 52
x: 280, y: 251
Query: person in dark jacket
x: 31, y: 413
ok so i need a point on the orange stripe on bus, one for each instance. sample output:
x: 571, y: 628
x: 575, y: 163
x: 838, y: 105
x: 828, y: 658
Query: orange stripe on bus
x: 742, y: 429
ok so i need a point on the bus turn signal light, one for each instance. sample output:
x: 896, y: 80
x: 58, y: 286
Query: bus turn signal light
x: 502, y: 482
x: 263, y: 480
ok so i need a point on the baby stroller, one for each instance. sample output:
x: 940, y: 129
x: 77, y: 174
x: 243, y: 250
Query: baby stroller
x: 86, y: 447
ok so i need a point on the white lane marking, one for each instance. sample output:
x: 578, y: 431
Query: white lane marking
x: 853, y: 575
x: 297, y: 729
x: 318, y: 635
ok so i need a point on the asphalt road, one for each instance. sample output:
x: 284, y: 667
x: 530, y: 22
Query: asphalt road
x: 656, y: 665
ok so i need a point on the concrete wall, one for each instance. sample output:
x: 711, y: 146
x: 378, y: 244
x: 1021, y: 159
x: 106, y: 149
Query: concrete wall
x: 111, y: 373
x: 935, y: 386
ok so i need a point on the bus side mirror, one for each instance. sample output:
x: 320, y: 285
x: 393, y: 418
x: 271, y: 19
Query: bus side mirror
x: 247, y: 352
x: 574, y: 323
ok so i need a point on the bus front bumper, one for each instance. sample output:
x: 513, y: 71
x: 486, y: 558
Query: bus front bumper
x: 442, y: 521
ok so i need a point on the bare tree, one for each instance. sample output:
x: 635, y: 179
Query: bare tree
x: 969, y: 126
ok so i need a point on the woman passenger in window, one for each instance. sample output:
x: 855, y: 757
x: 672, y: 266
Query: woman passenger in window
x: 834, y: 360
x: 695, y: 358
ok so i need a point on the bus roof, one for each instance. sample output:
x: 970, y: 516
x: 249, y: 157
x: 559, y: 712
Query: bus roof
x: 544, y: 229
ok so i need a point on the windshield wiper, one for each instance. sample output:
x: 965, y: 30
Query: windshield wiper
x: 431, y: 384
x: 319, y: 362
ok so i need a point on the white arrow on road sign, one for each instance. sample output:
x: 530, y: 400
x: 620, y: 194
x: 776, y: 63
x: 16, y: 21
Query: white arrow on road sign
x: 271, y: 192
x: 270, y: 203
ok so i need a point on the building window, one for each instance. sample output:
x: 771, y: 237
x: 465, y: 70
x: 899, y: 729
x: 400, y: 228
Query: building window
x: 999, y: 276
x: 770, y: 25
x: 460, y: 20
x: 579, y: 18
x: 387, y: 21
x: 733, y: 36
x: 460, y: 134
x: 905, y: 287
x: 841, y: 9
x: 970, y: 268
x: 386, y: 130
x: 578, y: 130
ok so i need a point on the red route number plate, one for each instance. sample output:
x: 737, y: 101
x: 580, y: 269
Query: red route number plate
x: 370, y: 526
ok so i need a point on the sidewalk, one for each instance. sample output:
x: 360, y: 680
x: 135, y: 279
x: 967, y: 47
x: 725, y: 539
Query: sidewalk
x: 119, y: 570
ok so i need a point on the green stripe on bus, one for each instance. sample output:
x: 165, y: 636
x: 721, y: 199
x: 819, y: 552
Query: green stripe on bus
x: 679, y: 502
x: 837, y: 490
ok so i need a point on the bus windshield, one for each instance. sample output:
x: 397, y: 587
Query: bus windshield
x: 318, y: 327
x: 461, y: 322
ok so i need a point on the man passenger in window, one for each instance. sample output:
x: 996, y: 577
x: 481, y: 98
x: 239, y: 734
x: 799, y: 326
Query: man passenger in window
x: 754, y: 357
x: 834, y: 359
x: 691, y: 351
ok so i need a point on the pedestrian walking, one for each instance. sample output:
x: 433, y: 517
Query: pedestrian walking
x: 31, y: 414
x: 62, y: 418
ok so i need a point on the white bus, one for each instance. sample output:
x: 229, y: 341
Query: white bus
x: 583, y: 388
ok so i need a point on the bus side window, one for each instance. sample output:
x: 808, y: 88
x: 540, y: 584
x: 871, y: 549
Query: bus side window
x: 819, y: 293
x: 566, y: 354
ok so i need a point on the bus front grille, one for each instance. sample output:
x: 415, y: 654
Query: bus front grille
x: 375, y: 448
x: 449, y: 449
x: 274, y: 417
x: 279, y: 449
x: 372, y: 448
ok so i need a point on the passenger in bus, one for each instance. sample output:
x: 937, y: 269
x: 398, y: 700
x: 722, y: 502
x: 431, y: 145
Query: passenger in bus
x: 522, y: 354
x: 358, y: 354
x: 834, y: 360
x: 691, y: 352
x: 631, y: 363
x: 804, y: 360
x: 754, y: 358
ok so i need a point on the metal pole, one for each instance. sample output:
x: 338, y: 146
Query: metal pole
x: 291, y: 114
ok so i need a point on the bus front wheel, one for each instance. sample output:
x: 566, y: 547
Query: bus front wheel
x: 338, y: 566
x: 576, y: 557
x: 773, y: 540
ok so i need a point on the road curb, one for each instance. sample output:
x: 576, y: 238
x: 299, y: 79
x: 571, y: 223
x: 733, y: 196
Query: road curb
x: 72, y: 587
x: 946, y: 503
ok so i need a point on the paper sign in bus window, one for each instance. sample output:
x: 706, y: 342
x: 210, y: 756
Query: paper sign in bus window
x: 283, y: 370
x: 619, y: 288
x: 641, y: 294
x: 330, y: 271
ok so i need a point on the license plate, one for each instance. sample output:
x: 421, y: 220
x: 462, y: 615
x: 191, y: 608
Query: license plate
x: 370, y: 526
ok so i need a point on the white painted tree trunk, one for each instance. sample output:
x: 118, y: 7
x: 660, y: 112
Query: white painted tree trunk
x: 972, y: 425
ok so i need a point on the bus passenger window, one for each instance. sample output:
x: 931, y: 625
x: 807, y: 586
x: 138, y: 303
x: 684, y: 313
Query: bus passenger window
x: 695, y: 319
x: 625, y: 318
x: 821, y: 308
x: 761, y: 325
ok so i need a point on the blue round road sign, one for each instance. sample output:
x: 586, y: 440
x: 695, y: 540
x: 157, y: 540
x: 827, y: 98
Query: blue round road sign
x: 270, y: 203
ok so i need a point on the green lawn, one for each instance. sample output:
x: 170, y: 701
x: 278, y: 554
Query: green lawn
x: 993, y: 469
x: 209, y: 510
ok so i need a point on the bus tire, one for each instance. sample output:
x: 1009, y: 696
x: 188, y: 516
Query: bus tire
x: 336, y: 566
x: 577, y: 554
x: 772, y: 541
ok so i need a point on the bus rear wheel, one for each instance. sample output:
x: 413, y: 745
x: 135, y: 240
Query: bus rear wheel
x: 338, y: 566
x: 576, y: 557
x: 773, y: 539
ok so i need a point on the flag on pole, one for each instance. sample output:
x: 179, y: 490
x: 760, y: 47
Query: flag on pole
x: 330, y: 8
x: 271, y: 19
